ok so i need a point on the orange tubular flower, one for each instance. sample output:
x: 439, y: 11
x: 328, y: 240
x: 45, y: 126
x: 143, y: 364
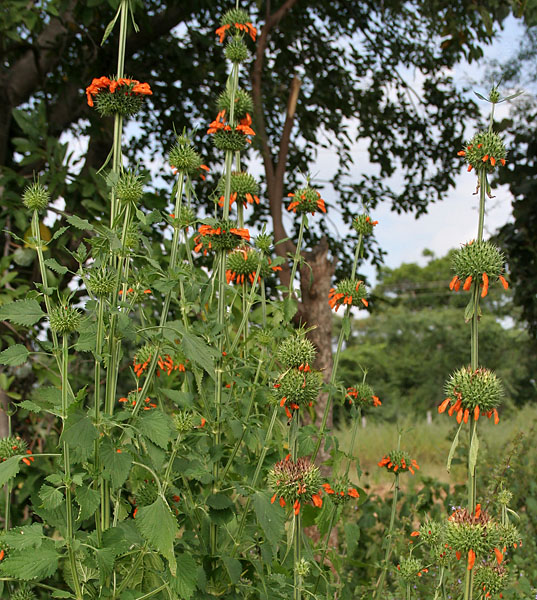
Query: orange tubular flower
x: 499, y: 556
x: 221, y: 32
x: 317, y: 500
x: 471, y: 559
x: 485, y: 285
x: 296, y: 507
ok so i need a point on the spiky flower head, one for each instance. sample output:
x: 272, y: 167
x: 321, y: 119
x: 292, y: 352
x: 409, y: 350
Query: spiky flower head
x: 187, y: 217
x: 36, y: 196
x: 490, y: 579
x: 123, y: 96
x: 11, y: 446
x: 230, y: 139
x: 297, y: 388
x: 410, y: 569
x: 398, y: 461
x: 477, y: 261
x: 471, y: 535
x: 509, y: 535
x: 24, y: 592
x: 295, y: 351
x: 236, y: 51
x: 305, y: 200
x: 183, y: 421
x: 470, y: 393
x: 483, y: 151
x: 295, y: 482
x: 504, y: 497
x: 65, y: 319
x: 348, y: 292
x: 241, y: 265
x: 243, y: 103
x: 130, y: 187
x: 184, y: 157
x: 236, y: 22
x: 147, y: 493
x: 101, y: 283
x: 143, y: 357
x: 364, y: 224
x: 341, y: 491
x: 244, y: 188
x: 222, y: 235
x: 432, y: 532
x: 362, y: 395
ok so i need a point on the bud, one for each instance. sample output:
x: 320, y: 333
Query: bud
x: 183, y: 421
x: 237, y: 51
x: 296, y: 350
x: 363, y: 224
x: 409, y: 569
x: 35, y: 197
x: 24, y: 592
x: 184, y: 158
x: 11, y: 446
x: 229, y: 139
x: 101, y: 283
x: 244, y: 188
x: 295, y: 482
x: 305, y: 200
x: 65, y: 319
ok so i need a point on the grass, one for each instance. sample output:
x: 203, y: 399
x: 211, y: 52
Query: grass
x: 429, y: 444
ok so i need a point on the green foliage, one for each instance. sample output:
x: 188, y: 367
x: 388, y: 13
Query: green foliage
x: 159, y: 527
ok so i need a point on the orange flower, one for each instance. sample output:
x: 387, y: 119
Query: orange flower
x: 353, y: 493
x: 471, y: 559
x: 317, y: 500
x: 296, y: 507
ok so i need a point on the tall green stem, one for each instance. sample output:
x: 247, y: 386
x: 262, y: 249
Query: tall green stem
x: 379, y: 590
x: 296, y: 258
x: 67, y: 471
x: 297, y: 541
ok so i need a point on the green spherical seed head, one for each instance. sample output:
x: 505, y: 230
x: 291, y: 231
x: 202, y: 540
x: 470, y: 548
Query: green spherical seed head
x: 184, y: 158
x: 237, y: 51
x: 35, y: 196
x: 144, y: 354
x: 225, y: 239
x: 409, y: 568
x: 243, y: 103
x: 120, y: 103
x: 509, y: 535
x: 187, y: 218
x: 465, y: 532
x: 298, y: 387
x: 476, y: 258
x: 353, y: 293
x: 183, y: 421
x: 129, y: 187
x: 147, y: 493
x: 484, y: 151
x: 264, y: 336
x: 296, y: 350
x: 504, y: 497
x: 65, y: 319
x: 308, y: 200
x: 234, y: 141
x: 432, y: 532
x: 24, y: 593
x: 235, y: 15
x: 11, y: 446
x: 363, y: 224
x: 362, y: 394
x: 475, y: 388
x: 101, y: 283
x: 242, y: 262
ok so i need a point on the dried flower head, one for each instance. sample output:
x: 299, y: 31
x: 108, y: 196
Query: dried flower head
x: 364, y: 225
x: 295, y: 483
x: 477, y: 261
x: 36, y: 196
x: 398, y: 461
x: 362, y: 395
x: 348, y: 292
x: 306, y: 199
x: 470, y: 393
x: 491, y: 579
x: 483, y: 151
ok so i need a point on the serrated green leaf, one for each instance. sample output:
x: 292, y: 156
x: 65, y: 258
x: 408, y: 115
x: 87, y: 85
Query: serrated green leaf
x: 32, y: 563
x: 55, y: 266
x: 474, y: 450
x: 219, y: 501
x: 184, y: 582
x: 21, y: 538
x: 157, y: 426
x: 117, y: 465
x: 180, y: 398
x: 269, y: 517
x: 9, y: 469
x: 88, y: 500
x: 58, y: 233
x: 14, y: 355
x: 79, y: 223
x: 233, y: 567
x: 198, y: 352
x: 158, y: 526
x: 454, y: 445
x: 79, y: 432
x: 289, y: 308
x: 51, y: 497
x: 352, y: 536
x: 22, y: 312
